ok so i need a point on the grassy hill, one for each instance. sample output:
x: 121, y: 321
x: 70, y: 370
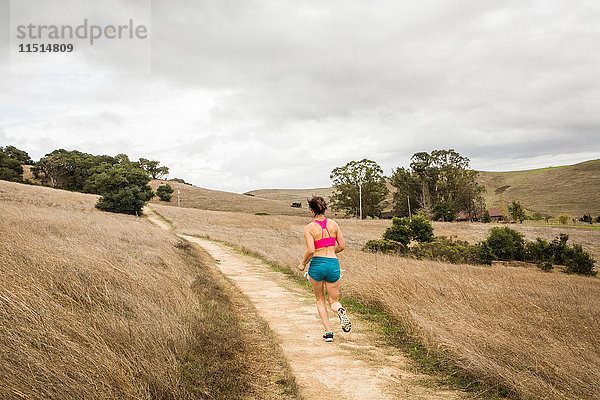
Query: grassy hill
x: 216, y: 200
x: 102, y: 305
x: 571, y: 189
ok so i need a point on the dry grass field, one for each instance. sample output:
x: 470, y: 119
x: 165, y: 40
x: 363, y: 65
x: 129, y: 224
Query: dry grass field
x: 107, y: 306
x: 290, y: 195
x: 216, y: 200
x: 535, y: 333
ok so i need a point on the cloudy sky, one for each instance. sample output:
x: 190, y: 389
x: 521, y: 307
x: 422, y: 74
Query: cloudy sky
x: 246, y: 94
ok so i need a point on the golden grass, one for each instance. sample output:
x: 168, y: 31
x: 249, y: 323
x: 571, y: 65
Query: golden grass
x: 216, y: 200
x: 101, y: 305
x: 571, y: 189
x: 536, y: 334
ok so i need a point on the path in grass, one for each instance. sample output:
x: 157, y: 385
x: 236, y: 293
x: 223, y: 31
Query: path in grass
x: 355, y: 366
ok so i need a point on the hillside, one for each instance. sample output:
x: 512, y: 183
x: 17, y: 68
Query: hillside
x: 101, y: 305
x: 216, y: 200
x: 572, y: 189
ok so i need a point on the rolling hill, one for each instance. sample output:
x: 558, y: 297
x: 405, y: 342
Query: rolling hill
x: 572, y: 189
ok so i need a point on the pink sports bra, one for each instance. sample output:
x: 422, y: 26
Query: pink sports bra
x: 324, y: 242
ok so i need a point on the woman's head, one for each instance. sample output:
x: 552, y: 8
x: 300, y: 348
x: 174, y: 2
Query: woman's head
x: 317, y: 205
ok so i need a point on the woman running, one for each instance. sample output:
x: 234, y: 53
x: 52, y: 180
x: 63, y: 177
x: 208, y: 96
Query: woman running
x: 324, y: 269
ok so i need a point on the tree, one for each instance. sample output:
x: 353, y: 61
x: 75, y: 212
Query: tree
x: 152, y: 168
x: 441, y: 183
x: 164, y: 192
x: 564, y: 219
x: 124, y: 188
x: 20, y: 155
x: 407, y: 190
x: 517, y: 212
x: 354, y: 177
x: 486, y: 217
x: 10, y: 169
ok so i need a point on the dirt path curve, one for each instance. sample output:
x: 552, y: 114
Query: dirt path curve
x: 354, y: 366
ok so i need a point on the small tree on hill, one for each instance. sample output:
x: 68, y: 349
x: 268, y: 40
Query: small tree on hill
x: 486, y: 217
x: 152, y: 168
x: 564, y: 219
x: 124, y: 188
x: 10, y: 169
x: 349, y: 181
x: 517, y: 212
x: 164, y: 192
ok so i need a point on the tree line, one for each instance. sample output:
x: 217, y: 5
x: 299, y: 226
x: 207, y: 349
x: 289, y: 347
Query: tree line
x: 122, y: 183
x: 437, y: 185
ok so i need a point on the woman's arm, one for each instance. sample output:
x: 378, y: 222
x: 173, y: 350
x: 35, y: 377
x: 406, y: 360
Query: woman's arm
x: 310, y: 249
x: 341, y: 244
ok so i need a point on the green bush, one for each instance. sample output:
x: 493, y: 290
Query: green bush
x: 598, y: 219
x: 124, y: 188
x: 421, y: 230
x: 486, y: 217
x: 164, y: 192
x: 483, y: 253
x: 444, y: 249
x: 564, y: 219
x: 579, y: 261
x: 506, y: 244
x: 404, y: 230
x: 399, y: 231
x: 384, y: 246
x: 587, y: 218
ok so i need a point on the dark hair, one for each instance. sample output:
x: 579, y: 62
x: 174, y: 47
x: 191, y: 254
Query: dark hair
x: 317, y: 204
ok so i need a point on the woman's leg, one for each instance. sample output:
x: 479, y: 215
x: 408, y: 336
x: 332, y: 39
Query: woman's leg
x: 333, y: 294
x: 321, y: 307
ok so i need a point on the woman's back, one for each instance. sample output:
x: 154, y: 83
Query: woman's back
x: 324, y: 233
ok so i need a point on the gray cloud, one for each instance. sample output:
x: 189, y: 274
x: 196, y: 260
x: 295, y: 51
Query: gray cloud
x: 250, y: 93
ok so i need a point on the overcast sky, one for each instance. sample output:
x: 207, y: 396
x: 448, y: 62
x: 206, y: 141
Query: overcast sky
x: 248, y: 94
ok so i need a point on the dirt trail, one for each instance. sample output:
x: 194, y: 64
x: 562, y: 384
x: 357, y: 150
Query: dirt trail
x: 354, y: 366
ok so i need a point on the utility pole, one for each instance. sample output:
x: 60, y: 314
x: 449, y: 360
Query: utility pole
x: 178, y: 201
x: 409, y: 214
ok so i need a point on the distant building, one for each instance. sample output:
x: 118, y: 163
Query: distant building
x: 462, y: 216
x: 496, y: 214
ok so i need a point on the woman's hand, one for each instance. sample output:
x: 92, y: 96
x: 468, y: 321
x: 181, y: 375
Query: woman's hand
x: 301, y: 266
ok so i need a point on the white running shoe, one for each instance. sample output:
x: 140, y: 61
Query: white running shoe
x: 345, y: 321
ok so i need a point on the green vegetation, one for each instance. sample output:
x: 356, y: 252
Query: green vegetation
x: 502, y: 244
x: 124, y: 188
x: 16, y: 154
x: 517, y: 212
x: 359, y: 182
x: 10, y: 169
x: 564, y: 219
x: 440, y: 185
x: 152, y: 168
x: 164, y: 192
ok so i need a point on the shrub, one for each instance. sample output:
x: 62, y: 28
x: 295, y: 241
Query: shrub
x: 506, y: 244
x: 579, y: 261
x: 483, y: 253
x: 399, y: 231
x: 384, y: 246
x: 564, y: 219
x: 587, y: 218
x: 598, y: 218
x: 444, y: 249
x: 421, y: 230
x: 164, y: 192
x: 558, y: 247
x: 538, y: 251
x: 486, y: 217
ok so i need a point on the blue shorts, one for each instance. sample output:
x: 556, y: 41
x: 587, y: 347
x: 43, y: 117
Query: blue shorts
x: 324, y: 268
